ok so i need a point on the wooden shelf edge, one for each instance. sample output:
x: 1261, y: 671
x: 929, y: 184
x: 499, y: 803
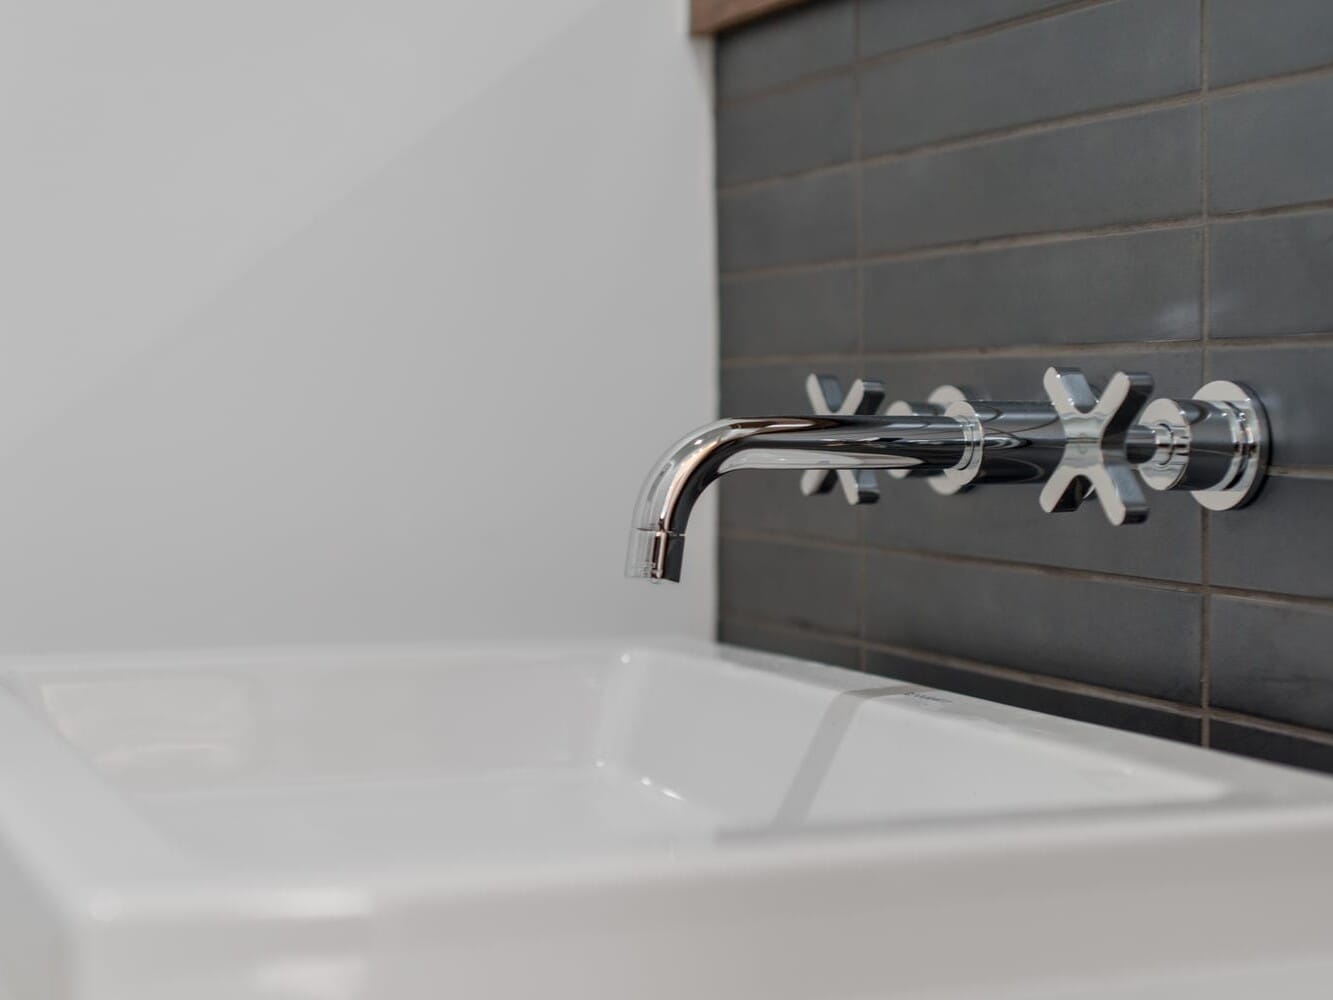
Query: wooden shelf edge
x: 708, y: 17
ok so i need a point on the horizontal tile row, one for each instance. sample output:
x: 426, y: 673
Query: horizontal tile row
x: 1246, y: 39
x: 1075, y: 628
x: 1273, y: 660
x: 1125, y: 170
x: 1249, y: 40
x: 802, y: 645
x: 1267, y: 149
x: 1139, y: 286
x: 1115, y: 172
x: 1280, y: 544
x: 977, y: 684
x: 1092, y: 58
x: 1268, y: 277
x: 786, y: 46
x: 1271, y: 147
x: 890, y: 25
x: 798, y: 586
x: 1131, y: 637
x: 790, y: 313
x: 1280, y: 748
x: 759, y: 138
x: 805, y: 220
x: 1037, y: 698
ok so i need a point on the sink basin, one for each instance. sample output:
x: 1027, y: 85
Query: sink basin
x: 588, y: 821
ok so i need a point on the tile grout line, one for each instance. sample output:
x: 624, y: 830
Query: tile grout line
x: 1205, y: 312
x: 958, y: 143
x: 1276, y: 726
x: 859, y: 61
x: 967, y: 353
x: 1035, y: 349
x: 879, y: 58
x: 1033, y: 569
x: 1019, y: 130
x: 978, y: 244
x: 1275, y: 598
x: 862, y: 610
x: 1048, y: 682
x: 985, y: 244
x: 1269, y: 81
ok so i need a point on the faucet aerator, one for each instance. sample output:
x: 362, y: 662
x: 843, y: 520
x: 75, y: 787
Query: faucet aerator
x: 655, y: 555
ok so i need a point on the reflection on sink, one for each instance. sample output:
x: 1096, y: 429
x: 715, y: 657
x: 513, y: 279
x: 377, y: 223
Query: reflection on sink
x: 199, y: 798
x: 453, y: 759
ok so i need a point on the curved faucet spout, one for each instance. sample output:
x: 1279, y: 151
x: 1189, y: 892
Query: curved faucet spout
x: 657, y: 537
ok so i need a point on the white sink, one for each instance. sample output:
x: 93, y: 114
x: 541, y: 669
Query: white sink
x: 610, y: 822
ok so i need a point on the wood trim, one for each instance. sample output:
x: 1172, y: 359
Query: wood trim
x: 708, y: 17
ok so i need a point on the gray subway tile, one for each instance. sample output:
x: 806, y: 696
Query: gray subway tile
x: 795, y: 586
x: 770, y: 502
x: 1272, y: 660
x: 775, y: 390
x: 1271, y: 147
x: 1124, y: 170
x: 1249, y: 39
x: 1140, y: 286
x: 1089, y: 59
x: 809, y: 126
x: 1175, y: 371
x: 1292, y: 380
x: 1036, y: 698
x: 801, y: 645
x: 889, y: 25
x: 785, y: 47
x: 1264, y: 744
x: 1008, y: 523
x: 1054, y: 624
x: 807, y: 312
x: 1280, y: 544
x: 802, y: 220
x: 1271, y: 276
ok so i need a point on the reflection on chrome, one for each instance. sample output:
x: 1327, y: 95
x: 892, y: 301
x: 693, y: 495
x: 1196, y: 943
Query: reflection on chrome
x: 1080, y: 444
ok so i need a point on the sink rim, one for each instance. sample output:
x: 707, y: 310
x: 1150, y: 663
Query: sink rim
x: 124, y: 863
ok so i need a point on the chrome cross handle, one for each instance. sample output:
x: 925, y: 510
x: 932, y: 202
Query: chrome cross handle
x: 1215, y: 445
x: 826, y: 397
x: 1095, y: 458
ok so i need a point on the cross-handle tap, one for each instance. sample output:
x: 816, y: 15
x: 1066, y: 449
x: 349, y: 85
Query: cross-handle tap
x: 1214, y: 445
x: 1095, y: 459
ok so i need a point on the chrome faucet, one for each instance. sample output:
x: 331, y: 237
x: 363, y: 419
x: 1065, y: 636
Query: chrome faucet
x: 1079, y: 444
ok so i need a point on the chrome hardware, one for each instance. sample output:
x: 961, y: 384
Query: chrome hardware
x: 944, y: 483
x: 657, y: 535
x: 1078, y: 444
x: 825, y: 395
x: 1095, y: 459
x: 1214, y: 445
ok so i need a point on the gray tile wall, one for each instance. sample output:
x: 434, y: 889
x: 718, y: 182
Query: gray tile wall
x: 964, y: 191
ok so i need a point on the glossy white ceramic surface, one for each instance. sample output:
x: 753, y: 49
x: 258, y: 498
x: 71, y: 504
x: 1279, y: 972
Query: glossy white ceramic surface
x: 583, y: 822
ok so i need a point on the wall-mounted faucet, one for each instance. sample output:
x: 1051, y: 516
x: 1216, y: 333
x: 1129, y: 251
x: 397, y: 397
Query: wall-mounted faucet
x: 1078, y: 444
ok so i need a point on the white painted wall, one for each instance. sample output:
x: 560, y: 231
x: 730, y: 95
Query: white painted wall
x: 346, y: 320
